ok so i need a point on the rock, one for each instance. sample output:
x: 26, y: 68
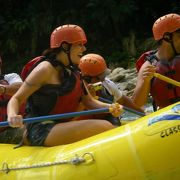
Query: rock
x: 117, y: 77
x: 117, y: 74
x: 125, y: 79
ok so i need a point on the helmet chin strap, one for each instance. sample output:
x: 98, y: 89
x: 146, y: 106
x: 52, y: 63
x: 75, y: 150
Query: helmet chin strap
x: 70, y: 61
x: 67, y: 51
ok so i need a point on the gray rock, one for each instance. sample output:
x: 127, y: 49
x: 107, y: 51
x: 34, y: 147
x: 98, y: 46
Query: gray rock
x: 125, y: 79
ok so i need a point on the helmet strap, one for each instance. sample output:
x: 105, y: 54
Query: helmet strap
x: 66, y: 47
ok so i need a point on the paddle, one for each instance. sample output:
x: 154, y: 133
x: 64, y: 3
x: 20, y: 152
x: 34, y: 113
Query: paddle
x: 169, y: 80
x: 98, y: 86
x: 124, y: 107
x: 59, y: 116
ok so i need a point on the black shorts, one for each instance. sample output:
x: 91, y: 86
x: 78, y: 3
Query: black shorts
x: 11, y: 135
x: 38, y: 132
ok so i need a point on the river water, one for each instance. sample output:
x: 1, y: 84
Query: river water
x: 131, y: 116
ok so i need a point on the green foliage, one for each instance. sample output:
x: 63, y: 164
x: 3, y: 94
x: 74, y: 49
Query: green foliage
x: 119, y: 30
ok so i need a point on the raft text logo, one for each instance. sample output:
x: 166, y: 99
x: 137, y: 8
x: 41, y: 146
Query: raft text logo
x: 170, y: 131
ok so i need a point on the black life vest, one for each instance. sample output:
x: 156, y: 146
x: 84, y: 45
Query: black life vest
x: 54, y: 99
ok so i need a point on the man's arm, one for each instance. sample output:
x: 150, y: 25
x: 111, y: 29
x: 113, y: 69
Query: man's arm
x: 14, y: 83
x: 143, y: 85
x: 10, y: 89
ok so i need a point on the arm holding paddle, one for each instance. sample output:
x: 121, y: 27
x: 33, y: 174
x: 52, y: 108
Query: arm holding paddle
x: 29, y: 86
x: 91, y: 103
x: 125, y: 101
x: 143, y: 84
x: 142, y: 90
x: 16, y: 120
x: 166, y: 30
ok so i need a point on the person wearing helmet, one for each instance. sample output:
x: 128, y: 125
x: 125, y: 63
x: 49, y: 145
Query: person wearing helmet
x: 166, y: 61
x: 9, y: 84
x: 54, y: 86
x: 94, y: 71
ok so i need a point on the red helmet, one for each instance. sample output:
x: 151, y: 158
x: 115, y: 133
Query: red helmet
x: 168, y: 23
x: 67, y: 33
x: 92, y: 65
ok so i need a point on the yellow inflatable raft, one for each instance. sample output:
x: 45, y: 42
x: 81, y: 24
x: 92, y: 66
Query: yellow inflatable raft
x: 147, y: 148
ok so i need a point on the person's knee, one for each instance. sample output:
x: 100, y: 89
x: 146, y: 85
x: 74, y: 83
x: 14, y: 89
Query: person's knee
x: 103, y: 124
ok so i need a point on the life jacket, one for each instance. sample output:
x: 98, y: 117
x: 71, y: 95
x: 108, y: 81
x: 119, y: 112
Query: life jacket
x: 55, y: 99
x: 69, y: 102
x: 3, y: 103
x: 162, y: 92
x: 149, y: 55
x: 29, y: 66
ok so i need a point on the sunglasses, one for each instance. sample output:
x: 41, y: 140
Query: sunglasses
x: 90, y: 79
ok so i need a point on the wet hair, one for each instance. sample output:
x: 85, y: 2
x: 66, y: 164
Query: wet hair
x: 51, y: 53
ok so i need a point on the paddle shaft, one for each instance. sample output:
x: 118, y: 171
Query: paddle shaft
x: 59, y: 116
x: 169, y: 80
x: 124, y: 107
x: 98, y: 86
